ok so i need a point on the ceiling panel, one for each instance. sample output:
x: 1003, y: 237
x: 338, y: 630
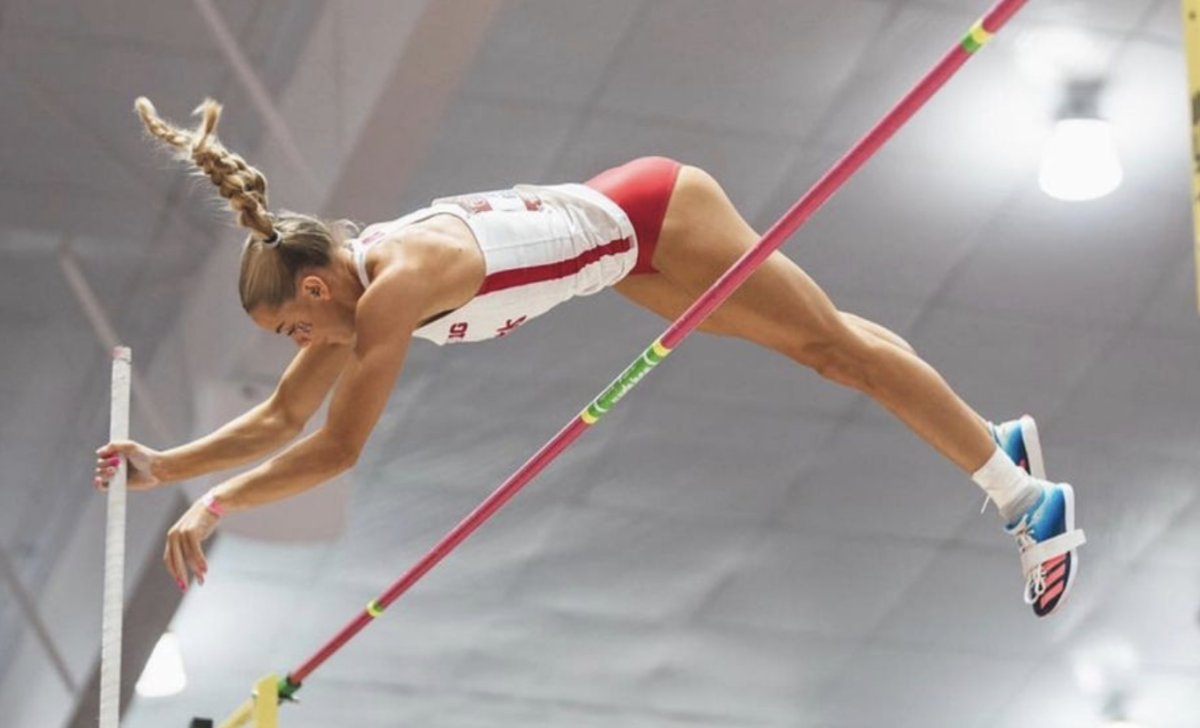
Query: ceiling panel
x: 1078, y: 263
x: 1108, y: 15
x: 940, y: 612
x: 1148, y: 378
x: 559, y: 660
x: 905, y: 46
x: 1165, y: 23
x: 598, y: 562
x: 1158, y: 633
x: 990, y: 120
x: 490, y: 145
x: 552, y: 53
x: 157, y: 27
x: 409, y: 526
x: 1051, y: 695
x: 1151, y: 123
x: 727, y: 673
x: 803, y: 583
x: 1041, y: 362
x: 421, y: 647
x: 1175, y: 309
x: 903, y: 489
x: 881, y: 678
x: 1175, y: 547
x: 701, y: 69
x: 1166, y: 699
x: 714, y: 468
x: 878, y: 238
x: 74, y: 93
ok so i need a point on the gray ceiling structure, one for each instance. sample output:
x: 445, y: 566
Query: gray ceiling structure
x: 740, y: 543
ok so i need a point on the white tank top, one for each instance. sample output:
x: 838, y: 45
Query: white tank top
x: 541, y: 246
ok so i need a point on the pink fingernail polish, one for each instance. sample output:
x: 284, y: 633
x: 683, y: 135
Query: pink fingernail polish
x: 114, y: 461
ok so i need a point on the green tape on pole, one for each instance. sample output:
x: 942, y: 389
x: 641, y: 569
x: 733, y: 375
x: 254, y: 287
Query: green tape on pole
x: 649, y: 359
x: 976, y: 38
x: 287, y: 689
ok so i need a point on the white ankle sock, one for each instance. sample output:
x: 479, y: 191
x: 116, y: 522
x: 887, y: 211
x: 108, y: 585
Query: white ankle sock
x: 1003, y: 481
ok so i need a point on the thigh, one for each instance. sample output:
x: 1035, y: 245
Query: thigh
x: 658, y: 294
x: 702, y: 236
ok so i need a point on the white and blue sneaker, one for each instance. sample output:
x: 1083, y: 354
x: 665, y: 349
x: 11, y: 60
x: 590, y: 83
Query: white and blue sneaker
x: 1019, y: 440
x: 1048, y: 541
x: 1046, y: 533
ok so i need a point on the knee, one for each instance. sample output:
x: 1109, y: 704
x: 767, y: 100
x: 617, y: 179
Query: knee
x: 849, y: 360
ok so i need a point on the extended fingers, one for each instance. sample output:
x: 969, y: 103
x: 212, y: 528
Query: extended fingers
x: 174, y: 559
x: 193, y: 554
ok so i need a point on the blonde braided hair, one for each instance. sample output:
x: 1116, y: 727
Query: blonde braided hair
x: 242, y: 185
x: 280, y: 246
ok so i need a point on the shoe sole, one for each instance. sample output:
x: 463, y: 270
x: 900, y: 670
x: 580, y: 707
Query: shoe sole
x: 1069, y: 509
x: 1033, y: 447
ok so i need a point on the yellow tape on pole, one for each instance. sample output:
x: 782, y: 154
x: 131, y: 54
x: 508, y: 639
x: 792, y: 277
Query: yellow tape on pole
x: 1191, y: 39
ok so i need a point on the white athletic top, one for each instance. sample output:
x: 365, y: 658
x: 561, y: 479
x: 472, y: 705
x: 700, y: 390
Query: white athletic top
x: 541, y: 246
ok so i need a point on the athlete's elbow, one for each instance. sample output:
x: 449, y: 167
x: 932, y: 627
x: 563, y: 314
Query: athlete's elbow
x: 341, y: 456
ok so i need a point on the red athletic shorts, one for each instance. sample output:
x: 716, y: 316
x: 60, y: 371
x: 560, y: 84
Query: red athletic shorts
x: 642, y: 188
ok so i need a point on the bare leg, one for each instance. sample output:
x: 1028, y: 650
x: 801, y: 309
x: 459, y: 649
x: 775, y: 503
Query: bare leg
x: 782, y: 308
x: 871, y: 328
x: 885, y: 334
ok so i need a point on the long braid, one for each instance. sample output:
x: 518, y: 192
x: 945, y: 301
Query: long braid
x: 242, y: 185
x: 280, y: 246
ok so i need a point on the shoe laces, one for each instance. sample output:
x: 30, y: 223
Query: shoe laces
x: 1035, y: 580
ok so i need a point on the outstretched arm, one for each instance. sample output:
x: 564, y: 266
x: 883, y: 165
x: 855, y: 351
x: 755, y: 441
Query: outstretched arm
x: 386, y: 316
x: 263, y: 429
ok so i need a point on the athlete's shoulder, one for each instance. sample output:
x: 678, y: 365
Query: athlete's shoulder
x: 417, y: 246
x: 437, y: 257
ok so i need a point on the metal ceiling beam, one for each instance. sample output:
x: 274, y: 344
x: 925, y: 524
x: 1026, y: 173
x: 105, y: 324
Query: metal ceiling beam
x: 106, y: 334
x: 257, y: 90
x: 409, y: 110
x: 25, y: 604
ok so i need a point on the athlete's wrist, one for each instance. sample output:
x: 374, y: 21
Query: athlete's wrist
x: 212, y: 503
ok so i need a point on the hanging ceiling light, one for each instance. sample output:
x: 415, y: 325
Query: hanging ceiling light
x: 164, y: 674
x: 1080, y: 161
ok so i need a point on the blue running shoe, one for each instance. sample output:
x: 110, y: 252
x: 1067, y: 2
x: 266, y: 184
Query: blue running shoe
x: 1048, y: 541
x: 1019, y: 440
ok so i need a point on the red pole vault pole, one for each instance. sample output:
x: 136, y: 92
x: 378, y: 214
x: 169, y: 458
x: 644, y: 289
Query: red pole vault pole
x: 979, y: 35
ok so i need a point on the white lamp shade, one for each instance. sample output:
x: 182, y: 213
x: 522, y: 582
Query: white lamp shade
x: 1080, y: 162
x: 164, y: 674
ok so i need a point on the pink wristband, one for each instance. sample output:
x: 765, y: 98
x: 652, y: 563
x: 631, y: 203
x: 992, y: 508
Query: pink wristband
x: 210, y: 503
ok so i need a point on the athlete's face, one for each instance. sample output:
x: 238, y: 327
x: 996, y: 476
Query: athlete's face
x: 312, y: 317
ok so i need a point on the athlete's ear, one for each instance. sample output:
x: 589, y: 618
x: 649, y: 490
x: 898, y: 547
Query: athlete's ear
x: 315, y: 287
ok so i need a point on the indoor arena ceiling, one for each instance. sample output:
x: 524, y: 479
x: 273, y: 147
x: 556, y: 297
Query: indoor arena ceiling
x: 740, y: 544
